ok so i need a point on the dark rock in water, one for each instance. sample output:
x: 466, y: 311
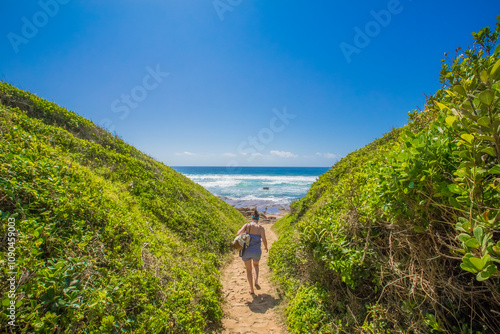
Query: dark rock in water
x: 247, y: 212
x: 262, y: 205
x: 266, y: 188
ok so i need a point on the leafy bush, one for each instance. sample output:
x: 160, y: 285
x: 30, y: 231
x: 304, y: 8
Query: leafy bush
x: 306, y: 313
x: 404, y: 234
x: 108, y: 238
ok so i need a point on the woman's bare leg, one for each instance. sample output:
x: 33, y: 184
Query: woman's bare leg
x: 248, y: 266
x: 256, y: 267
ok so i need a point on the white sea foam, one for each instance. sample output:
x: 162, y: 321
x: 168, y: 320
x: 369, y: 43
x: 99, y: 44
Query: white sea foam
x: 231, y: 180
x: 262, y: 199
x: 248, y: 189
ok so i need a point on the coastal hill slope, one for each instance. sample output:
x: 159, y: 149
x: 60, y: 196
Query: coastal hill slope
x: 108, y: 239
x: 403, y: 235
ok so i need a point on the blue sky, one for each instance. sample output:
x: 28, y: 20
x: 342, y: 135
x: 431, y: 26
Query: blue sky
x: 237, y: 82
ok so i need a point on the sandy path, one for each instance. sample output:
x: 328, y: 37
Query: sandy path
x: 245, y: 313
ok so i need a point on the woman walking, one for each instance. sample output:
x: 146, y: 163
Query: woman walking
x: 253, y: 252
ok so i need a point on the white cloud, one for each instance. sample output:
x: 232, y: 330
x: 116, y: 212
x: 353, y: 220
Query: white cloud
x: 186, y: 153
x: 283, y: 154
x: 330, y: 156
x: 326, y: 155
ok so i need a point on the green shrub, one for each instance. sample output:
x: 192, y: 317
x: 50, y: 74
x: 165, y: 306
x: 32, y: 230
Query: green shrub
x: 108, y: 239
x: 403, y: 235
x: 307, y: 313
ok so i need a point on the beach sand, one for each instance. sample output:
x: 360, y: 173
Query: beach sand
x: 243, y: 312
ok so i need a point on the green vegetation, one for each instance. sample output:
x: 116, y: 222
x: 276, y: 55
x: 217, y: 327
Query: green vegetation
x: 403, y: 235
x: 109, y: 240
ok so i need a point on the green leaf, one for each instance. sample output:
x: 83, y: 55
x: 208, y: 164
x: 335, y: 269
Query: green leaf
x: 486, y: 258
x: 466, y: 265
x: 6, y: 302
x: 489, y: 138
x: 472, y: 243
x: 495, y: 170
x: 441, y: 106
x: 489, y: 150
x: 495, y: 73
x: 497, y: 49
x: 59, y: 265
x: 455, y: 203
x: 484, y: 76
x: 467, y: 137
x: 482, y: 275
x: 487, y: 272
x: 460, y: 90
x: 477, y: 263
x: 463, y: 220
x: 487, y: 97
x: 484, y: 121
x: 411, y: 185
x: 486, y: 241
x: 454, y: 188
x: 450, y: 120
x: 464, y: 237
x: 478, y: 232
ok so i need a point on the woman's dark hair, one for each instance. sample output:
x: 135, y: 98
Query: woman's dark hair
x: 256, y: 213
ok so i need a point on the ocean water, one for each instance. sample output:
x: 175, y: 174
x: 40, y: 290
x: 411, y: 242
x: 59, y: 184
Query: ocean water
x: 244, y: 186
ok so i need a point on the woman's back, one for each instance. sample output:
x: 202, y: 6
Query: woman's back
x: 254, y: 229
x: 255, y: 232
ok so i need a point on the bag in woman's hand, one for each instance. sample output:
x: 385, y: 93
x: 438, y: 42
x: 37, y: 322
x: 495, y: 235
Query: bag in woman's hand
x: 241, y: 241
